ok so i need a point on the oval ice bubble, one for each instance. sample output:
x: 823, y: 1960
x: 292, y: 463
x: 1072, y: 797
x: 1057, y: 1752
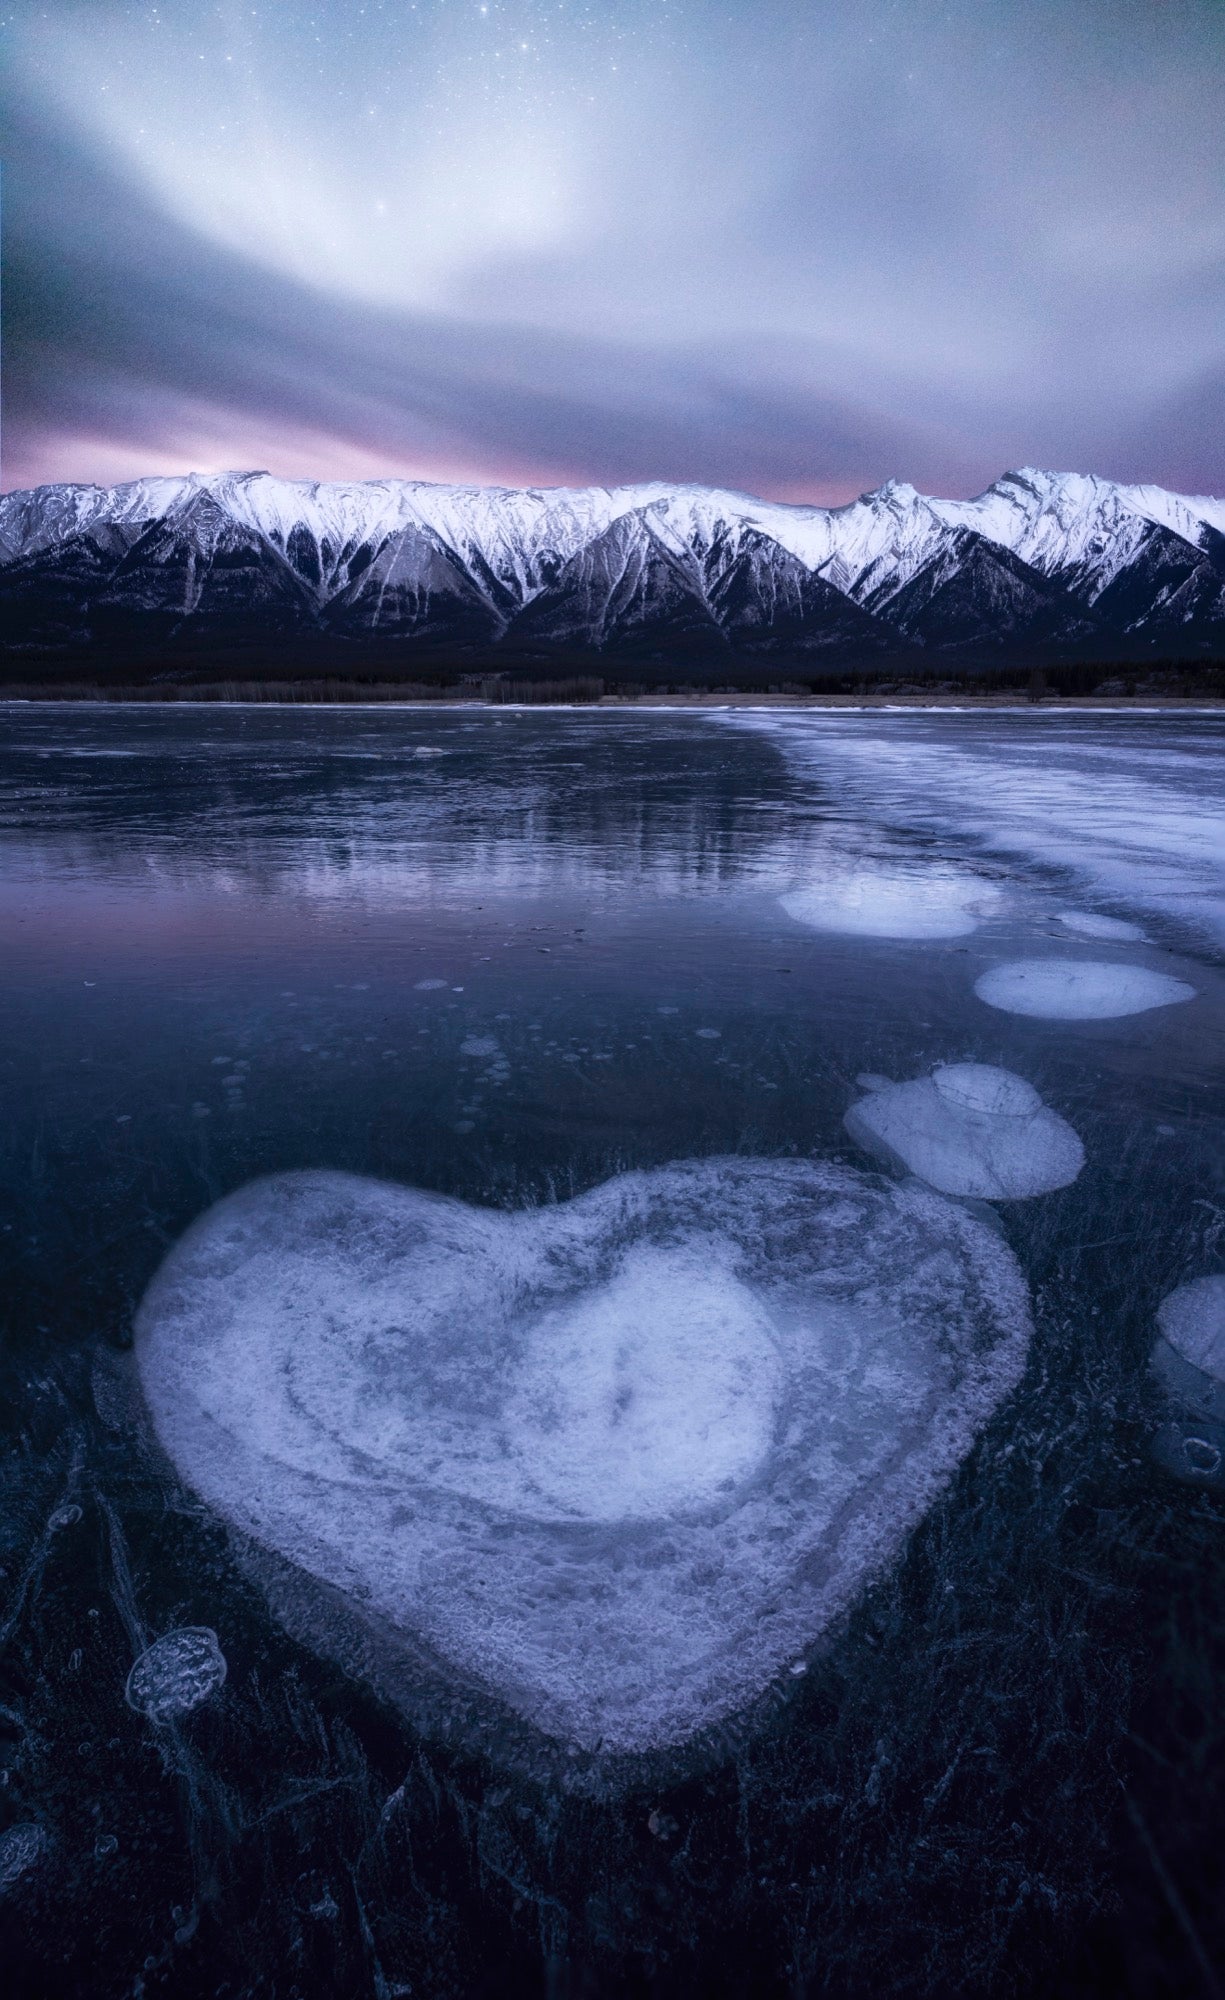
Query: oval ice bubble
x: 1188, y: 1359
x: 1193, y: 1321
x: 176, y: 1673
x: 893, y: 902
x: 970, y: 1129
x: 1077, y: 989
x: 1088, y: 923
x: 609, y: 1466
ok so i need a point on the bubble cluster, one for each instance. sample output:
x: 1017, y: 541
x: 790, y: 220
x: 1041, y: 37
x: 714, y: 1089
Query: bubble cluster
x: 612, y: 1464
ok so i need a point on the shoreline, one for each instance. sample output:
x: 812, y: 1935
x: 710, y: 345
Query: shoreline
x: 964, y: 704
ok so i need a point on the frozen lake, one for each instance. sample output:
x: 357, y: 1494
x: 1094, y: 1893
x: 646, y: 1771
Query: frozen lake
x: 706, y: 1515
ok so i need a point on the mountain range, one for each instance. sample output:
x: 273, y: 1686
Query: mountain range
x: 1042, y: 565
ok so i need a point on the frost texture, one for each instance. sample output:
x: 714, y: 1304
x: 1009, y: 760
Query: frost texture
x: 176, y: 1673
x: 613, y: 1463
x: 891, y: 902
x: 1193, y: 1321
x: 1077, y: 989
x: 970, y: 1129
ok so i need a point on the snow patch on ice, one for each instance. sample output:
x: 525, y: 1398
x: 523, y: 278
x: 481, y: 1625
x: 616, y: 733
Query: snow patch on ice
x: 1078, y: 989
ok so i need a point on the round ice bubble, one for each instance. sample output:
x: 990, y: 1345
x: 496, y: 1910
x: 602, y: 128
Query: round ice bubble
x: 970, y: 1129
x: 980, y: 1087
x: 1077, y: 989
x: 612, y: 1465
x: 1087, y: 923
x: 892, y: 902
x: 1193, y: 1321
x: 176, y: 1673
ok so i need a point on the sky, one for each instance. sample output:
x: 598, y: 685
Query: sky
x: 794, y: 247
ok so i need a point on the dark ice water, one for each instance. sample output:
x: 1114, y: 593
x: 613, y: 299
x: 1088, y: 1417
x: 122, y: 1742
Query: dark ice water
x: 506, y: 955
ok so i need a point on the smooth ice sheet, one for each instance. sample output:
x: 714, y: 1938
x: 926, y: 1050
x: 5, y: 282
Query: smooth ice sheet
x: 615, y: 1463
x: 1078, y: 989
x: 970, y: 1129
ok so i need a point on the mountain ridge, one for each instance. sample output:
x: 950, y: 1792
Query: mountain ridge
x: 1057, y: 563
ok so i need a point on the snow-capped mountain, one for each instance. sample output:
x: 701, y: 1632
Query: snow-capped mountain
x: 1061, y: 563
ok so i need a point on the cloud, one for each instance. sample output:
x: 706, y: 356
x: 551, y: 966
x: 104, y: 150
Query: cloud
x: 794, y: 248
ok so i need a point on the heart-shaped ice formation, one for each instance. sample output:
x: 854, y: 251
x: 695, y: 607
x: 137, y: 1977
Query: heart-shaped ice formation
x: 612, y: 1464
x: 887, y: 901
x: 1078, y: 989
x: 970, y: 1129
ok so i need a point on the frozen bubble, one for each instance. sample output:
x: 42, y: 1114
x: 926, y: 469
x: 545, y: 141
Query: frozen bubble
x: 176, y: 1673
x: 1193, y: 1321
x: 615, y: 1462
x: 612, y: 1423
x: 429, y: 985
x: 1087, y: 923
x: 1077, y: 989
x: 480, y: 1045
x: 20, y: 1847
x: 970, y: 1129
x: 891, y: 902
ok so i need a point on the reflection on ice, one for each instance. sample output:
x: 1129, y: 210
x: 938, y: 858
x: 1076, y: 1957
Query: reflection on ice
x: 893, y: 902
x: 1077, y: 989
x: 970, y: 1129
x: 616, y: 1462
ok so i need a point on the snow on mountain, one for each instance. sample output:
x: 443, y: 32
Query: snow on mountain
x: 1050, y: 556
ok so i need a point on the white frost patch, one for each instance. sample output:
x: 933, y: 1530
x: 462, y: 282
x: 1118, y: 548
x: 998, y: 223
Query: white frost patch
x: 1077, y: 989
x: 617, y: 1462
x: 1193, y: 1321
x: 970, y: 1129
x: 1087, y: 923
x: 890, y: 902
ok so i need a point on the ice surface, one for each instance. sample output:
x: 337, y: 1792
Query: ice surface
x: 1138, y: 817
x: 1077, y: 989
x: 1087, y: 923
x: 970, y: 1129
x: 616, y: 1462
x: 176, y: 1673
x: 893, y: 902
x: 1193, y: 1321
